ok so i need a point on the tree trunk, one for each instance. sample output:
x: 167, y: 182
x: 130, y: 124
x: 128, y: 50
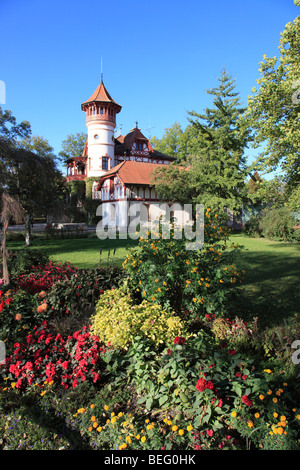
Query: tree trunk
x: 27, y: 230
x: 4, y: 253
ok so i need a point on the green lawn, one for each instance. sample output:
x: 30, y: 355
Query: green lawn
x: 270, y: 289
x: 82, y: 252
x: 271, y: 286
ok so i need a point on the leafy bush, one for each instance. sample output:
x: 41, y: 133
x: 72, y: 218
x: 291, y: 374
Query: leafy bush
x: 277, y: 223
x: 19, y: 312
x: 252, y: 226
x: 117, y: 320
x: 79, y: 293
x: 194, y: 282
x: 22, y: 261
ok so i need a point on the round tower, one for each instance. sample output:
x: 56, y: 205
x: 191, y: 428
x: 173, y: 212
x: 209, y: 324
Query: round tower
x: 101, y: 111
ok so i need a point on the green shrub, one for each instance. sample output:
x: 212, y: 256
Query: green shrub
x: 252, y: 226
x: 80, y: 292
x: 118, y: 320
x: 21, y: 261
x: 277, y: 223
x: 191, y: 282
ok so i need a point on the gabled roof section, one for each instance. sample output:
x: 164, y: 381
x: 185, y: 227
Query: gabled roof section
x: 132, y: 172
x: 101, y: 95
x: 125, y: 142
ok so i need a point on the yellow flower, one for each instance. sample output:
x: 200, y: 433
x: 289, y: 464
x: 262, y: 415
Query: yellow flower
x: 268, y: 371
x: 261, y: 397
x: 143, y: 439
x: 120, y: 414
x: 155, y: 280
x: 95, y: 424
x: 250, y: 424
x: 181, y: 432
x: 43, y: 393
x: 275, y: 400
x: 92, y: 406
x: 147, y: 421
x: 99, y: 428
x: 128, y: 439
x: 93, y: 418
x: 190, y: 428
x: 138, y: 436
x: 90, y: 428
x: 297, y: 417
x: 174, y: 428
x: 106, y: 408
x: 114, y: 419
x: 234, y: 414
x: 275, y: 414
x: 280, y: 430
x: 123, y: 446
x: 269, y: 392
x: 150, y: 426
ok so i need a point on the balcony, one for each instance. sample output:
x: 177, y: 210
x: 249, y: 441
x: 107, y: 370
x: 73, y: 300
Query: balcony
x: 78, y: 177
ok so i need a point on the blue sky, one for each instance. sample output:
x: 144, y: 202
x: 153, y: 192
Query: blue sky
x: 159, y: 57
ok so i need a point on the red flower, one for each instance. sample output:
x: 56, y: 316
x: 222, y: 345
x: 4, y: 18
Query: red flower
x: 179, y: 340
x: 247, y: 400
x: 202, y: 385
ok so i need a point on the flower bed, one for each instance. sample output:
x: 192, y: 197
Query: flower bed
x: 137, y: 374
x: 47, y: 358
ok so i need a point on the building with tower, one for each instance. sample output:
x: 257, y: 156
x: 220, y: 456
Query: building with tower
x: 121, y: 167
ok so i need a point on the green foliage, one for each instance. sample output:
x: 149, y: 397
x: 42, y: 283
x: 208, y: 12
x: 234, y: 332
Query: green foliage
x: 191, y: 282
x: 80, y: 292
x: 118, y: 320
x: 172, y: 143
x: 73, y: 146
x: 18, y: 316
x: 252, y: 226
x: 277, y: 223
x: 21, y: 262
x: 214, y: 169
x: 273, y: 109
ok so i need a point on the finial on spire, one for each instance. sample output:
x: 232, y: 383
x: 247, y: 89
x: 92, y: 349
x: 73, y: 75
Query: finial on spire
x: 136, y: 124
x: 101, y: 72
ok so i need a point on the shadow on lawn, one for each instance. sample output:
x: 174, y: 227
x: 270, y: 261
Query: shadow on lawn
x: 270, y: 289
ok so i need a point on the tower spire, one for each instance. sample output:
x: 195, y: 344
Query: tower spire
x: 101, y: 71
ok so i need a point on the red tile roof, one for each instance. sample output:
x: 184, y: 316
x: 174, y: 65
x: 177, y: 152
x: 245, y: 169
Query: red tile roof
x: 132, y: 172
x: 101, y: 95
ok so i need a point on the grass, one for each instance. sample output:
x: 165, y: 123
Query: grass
x: 81, y: 252
x: 270, y: 290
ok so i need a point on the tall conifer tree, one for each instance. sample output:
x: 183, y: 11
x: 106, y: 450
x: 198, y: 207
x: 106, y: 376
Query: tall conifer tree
x: 215, y: 164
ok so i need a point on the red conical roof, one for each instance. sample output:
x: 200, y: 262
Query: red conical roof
x: 101, y: 95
